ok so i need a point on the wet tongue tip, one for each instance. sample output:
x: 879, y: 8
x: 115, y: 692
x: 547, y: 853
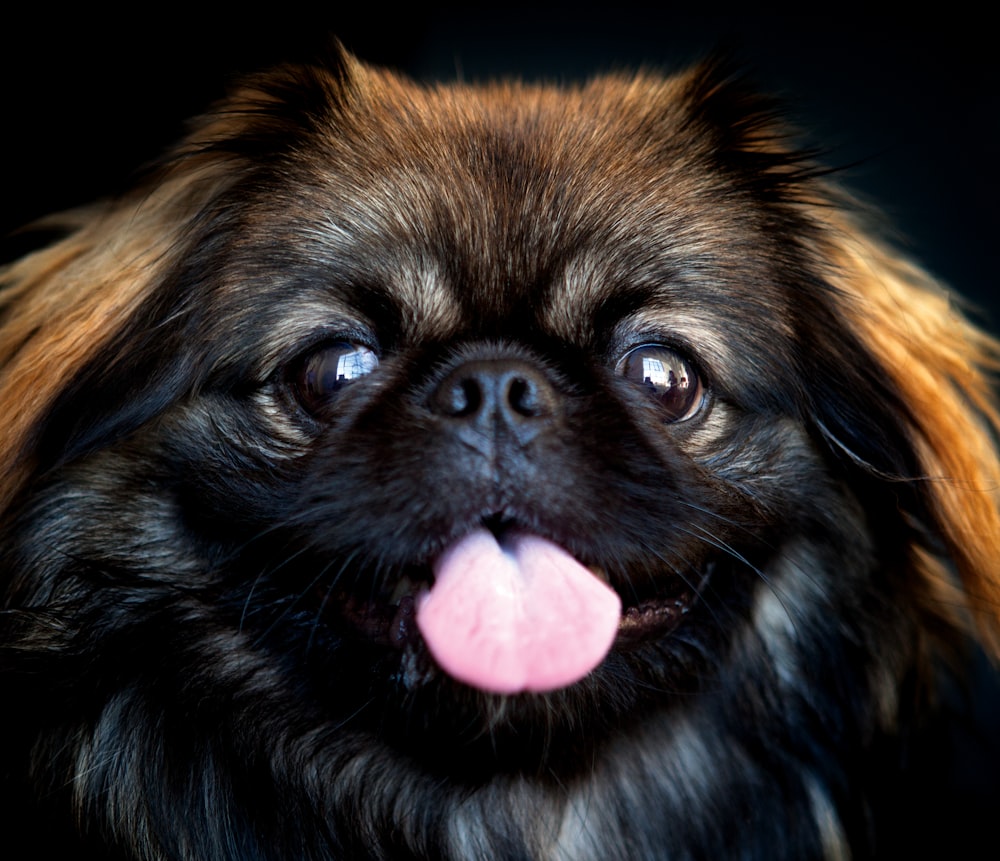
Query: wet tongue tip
x: 525, y: 616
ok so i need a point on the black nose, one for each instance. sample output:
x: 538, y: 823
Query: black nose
x: 496, y: 397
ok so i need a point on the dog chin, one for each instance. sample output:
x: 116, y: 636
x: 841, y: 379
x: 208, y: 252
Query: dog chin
x: 500, y: 472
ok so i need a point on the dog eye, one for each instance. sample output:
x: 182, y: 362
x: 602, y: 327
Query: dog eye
x: 666, y: 376
x: 326, y: 370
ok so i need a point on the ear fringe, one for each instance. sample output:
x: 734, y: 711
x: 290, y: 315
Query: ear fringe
x: 60, y: 305
x: 942, y: 364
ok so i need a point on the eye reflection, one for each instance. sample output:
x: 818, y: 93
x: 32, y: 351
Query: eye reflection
x: 667, y: 377
x: 661, y: 377
x: 328, y: 369
x: 355, y: 364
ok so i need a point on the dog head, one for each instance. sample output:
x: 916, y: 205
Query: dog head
x: 476, y: 429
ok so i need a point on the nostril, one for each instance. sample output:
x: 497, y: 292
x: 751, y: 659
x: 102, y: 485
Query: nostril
x: 488, y: 391
x: 458, y: 396
x: 522, y: 397
x: 472, y: 397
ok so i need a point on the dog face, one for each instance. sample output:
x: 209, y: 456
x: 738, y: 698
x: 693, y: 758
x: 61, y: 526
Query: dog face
x: 471, y: 472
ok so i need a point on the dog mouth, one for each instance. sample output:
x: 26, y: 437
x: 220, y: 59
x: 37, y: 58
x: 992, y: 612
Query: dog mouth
x: 514, y: 613
x: 392, y: 622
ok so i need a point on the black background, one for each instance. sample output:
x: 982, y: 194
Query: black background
x: 907, y: 104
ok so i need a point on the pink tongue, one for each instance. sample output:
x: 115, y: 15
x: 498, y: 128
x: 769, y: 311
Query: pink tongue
x: 526, y: 617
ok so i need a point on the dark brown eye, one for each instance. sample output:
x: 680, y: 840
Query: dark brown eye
x: 668, y: 378
x: 326, y: 370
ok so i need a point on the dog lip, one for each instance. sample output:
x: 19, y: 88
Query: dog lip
x: 391, y: 621
x: 652, y: 619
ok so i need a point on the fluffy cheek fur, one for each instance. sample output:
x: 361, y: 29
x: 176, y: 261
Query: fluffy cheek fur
x: 206, y: 570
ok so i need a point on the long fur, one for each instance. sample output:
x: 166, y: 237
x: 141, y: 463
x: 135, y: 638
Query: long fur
x: 189, y: 659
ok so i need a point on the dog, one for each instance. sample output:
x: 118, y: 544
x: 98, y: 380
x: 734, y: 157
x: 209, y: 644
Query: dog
x: 482, y: 472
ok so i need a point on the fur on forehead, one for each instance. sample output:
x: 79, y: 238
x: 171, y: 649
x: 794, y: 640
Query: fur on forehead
x: 515, y: 206
x: 502, y: 187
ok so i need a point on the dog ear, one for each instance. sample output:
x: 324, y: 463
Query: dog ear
x: 272, y: 112
x: 856, y: 410
x: 934, y: 424
x: 941, y: 364
x: 83, y: 354
x: 61, y: 305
